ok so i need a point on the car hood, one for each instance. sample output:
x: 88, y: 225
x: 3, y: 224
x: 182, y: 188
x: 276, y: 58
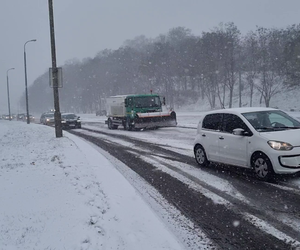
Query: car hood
x: 290, y: 136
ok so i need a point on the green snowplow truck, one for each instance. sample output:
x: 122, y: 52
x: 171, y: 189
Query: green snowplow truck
x: 138, y: 112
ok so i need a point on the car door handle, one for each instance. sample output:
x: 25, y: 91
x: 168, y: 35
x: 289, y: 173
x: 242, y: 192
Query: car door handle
x: 221, y: 137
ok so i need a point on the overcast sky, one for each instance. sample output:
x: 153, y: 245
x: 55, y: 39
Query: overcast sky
x: 85, y: 27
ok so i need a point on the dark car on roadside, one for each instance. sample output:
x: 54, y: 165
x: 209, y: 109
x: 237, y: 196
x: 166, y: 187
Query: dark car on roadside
x: 70, y: 121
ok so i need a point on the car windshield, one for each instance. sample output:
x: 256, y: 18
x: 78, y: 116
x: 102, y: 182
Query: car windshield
x: 69, y: 116
x: 49, y: 115
x: 275, y: 120
x: 147, y: 101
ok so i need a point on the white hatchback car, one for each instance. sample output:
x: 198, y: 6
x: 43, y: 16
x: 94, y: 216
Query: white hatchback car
x: 264, y: 139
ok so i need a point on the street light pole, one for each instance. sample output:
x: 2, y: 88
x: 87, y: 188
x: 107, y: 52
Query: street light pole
x: 8, y: 93
x: 26, y: 91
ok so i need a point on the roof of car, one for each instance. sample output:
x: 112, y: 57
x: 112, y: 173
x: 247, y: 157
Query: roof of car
x: 240, y: 110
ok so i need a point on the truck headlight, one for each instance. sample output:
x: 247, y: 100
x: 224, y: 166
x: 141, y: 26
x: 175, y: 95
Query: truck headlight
x: 279, y: 145
x: 63, y: 121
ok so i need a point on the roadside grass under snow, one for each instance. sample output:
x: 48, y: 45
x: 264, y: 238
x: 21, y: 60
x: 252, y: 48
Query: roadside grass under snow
x: 63, y: 194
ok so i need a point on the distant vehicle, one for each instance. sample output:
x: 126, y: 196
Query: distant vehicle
x: 70, y: 121
x: 31, y: 118
x: 138, y: 112
x: 264, y: 139
x: 20, y: 117
x: 47, y: 118
x: 5, y: 117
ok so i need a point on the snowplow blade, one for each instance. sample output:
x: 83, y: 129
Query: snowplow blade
x: 155, y: 120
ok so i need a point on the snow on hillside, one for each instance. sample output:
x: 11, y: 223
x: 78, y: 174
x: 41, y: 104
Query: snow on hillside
x: 286, y: 99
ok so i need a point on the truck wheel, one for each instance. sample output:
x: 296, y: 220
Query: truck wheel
x: 109, y: 124
x: 128, y: 126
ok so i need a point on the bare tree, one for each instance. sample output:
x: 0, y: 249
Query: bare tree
x: 270, y: 49
x: 292, y: 55
x: 231, y: 56
x: 251, y: 60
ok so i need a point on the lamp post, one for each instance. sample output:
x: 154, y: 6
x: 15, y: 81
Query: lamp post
x: 26, y: 91
x: 8, y: 92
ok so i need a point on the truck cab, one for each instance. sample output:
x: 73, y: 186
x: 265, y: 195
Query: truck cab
x: 143, y: 103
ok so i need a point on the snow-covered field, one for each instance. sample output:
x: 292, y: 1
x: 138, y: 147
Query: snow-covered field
x: 63, y: 194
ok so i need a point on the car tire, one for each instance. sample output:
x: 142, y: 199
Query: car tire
x: 262, y: 166
x: 200, y: 156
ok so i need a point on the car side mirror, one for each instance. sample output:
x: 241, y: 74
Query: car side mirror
x: 239, y: 131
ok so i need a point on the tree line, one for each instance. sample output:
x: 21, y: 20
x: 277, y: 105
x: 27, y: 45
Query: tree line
x: 182, y: 67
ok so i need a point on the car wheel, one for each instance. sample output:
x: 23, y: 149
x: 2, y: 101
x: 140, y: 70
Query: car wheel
x: 262, y: 166
x: 200, y: 156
